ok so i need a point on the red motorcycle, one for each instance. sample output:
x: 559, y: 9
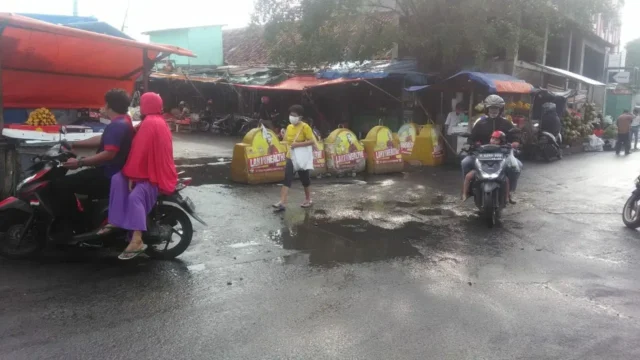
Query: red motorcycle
x: 26, y: 219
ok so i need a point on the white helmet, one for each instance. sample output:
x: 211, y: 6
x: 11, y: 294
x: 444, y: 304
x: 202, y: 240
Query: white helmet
x: 494, y: 101
x: 494, y: 105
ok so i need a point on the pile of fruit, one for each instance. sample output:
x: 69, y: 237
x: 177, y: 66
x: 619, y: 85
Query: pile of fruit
x: 519, y: 108
x: 576, y: 127
x: 41, y: 117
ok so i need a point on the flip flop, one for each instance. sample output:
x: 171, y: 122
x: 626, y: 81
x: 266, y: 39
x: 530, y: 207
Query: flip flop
x: 306, y: 205
x: 128, y: 255
x: 279, y: 208
x: 277, y: 205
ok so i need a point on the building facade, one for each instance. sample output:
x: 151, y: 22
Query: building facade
x: 204, y: 41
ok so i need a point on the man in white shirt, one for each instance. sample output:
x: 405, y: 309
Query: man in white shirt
x: 453, y: 119
x: 635, y: 127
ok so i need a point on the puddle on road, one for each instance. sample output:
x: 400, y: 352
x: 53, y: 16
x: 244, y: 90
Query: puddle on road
x: 349, y: 241
x: 210, y: 173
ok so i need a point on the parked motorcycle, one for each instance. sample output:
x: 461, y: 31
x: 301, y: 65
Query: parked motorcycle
x: 631, y: 210
x: 248, y: 123
x: 27, y: 218
x: 549, y: 146
x: 222, y: 124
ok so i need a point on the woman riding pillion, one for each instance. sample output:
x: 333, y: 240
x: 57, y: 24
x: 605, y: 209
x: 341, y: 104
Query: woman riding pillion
x: 149, y: 170
x: 481, y: 135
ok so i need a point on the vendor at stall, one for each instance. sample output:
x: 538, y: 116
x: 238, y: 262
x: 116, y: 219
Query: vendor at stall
x: 454, y: 118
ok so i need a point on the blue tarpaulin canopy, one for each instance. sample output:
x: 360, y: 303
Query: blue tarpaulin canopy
x: 376, y: 69
x: 490, y: 83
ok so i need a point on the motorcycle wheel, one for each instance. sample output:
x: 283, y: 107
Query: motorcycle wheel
x: 630, y: 213
x: 204, y: 126
x: 489, y: 211
x: 10, y: 247
x: 181, y: 233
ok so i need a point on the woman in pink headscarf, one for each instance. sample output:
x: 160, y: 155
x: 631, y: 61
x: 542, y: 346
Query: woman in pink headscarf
x: 149, y: 170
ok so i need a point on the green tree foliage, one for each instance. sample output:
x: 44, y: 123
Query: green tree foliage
x: 443, y: 34
x: 633, y: 53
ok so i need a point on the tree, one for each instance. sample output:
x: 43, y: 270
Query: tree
x: 633, y: 53
x: 442, y: 34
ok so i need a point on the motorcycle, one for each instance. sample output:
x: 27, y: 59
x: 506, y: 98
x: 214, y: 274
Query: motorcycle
x: 549, y: 145
x: 220, y: 124
x: 631, y: 209
x: 27, y: 219
x: 488, y: 187
x: 248, y: 123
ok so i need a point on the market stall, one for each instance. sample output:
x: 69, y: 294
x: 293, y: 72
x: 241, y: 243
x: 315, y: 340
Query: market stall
x: 46, y: 68
x: 471, y: 88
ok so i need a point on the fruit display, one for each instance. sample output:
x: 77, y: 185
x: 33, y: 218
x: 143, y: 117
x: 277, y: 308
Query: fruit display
x: 576, y: 127
x: 41, y: 117
x: 519, y: 108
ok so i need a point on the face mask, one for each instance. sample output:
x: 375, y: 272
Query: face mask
x: 294, y: 119
x: 493, y: 113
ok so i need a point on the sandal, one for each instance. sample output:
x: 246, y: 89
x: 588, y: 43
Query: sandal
x: 306, y: 204
x: 128, y: 255
x: 279, y: 208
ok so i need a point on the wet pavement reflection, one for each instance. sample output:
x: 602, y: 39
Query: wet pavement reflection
x: 348, y: 241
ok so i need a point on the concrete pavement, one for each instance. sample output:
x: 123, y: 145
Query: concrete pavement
x: 388, y: 267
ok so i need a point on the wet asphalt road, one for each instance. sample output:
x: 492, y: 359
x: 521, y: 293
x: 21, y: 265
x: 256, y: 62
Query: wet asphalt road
x: 382, y: 268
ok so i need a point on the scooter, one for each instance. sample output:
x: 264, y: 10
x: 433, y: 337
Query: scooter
x: 488, y: 187
x: 27, y: 219
x: 549, y: 145
x: 631, y: 209
x: 224, y: 124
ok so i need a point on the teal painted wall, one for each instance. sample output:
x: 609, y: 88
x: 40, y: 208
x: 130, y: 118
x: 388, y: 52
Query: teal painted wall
x: 205, y: 42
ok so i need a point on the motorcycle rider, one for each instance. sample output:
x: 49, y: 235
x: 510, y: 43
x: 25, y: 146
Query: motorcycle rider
x: 550, y: 121
x: 481, y: 135
x: 113, y: 148
x: 497, y: 138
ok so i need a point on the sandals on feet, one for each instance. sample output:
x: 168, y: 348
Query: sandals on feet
x: 306, y: 204
x: 279, y: 207
x: 128, y: 255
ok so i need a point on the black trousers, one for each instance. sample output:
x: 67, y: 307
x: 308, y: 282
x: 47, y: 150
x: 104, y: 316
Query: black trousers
x: 305, y: 178
x: 623, y: 139
x: 91, y: 182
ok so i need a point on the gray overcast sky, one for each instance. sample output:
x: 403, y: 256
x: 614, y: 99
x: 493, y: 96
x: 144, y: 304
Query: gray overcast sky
x: 144, y: 15
x: 158, y: 14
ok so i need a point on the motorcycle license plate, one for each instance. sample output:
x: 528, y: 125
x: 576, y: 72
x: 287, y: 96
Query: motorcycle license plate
x: 190, y: 204
x: 490, y: 156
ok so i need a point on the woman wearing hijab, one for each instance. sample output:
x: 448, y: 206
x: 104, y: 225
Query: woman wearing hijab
x: 149, y: 169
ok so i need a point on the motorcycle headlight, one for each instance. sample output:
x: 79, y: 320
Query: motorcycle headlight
x: 486, y: 175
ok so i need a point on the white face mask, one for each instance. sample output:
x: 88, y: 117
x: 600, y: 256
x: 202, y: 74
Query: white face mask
x: 493, y: 113
x: 294, y: 120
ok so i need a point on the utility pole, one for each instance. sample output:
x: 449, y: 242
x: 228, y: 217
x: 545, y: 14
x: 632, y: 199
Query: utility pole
x: 75, y: 7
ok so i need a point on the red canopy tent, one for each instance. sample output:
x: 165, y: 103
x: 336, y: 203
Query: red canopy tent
x: 47, y: 65
x: 299, y: 83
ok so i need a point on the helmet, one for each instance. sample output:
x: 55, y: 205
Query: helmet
x: 499, y: 135
x: 494, y: 101
x: 548, y: 107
